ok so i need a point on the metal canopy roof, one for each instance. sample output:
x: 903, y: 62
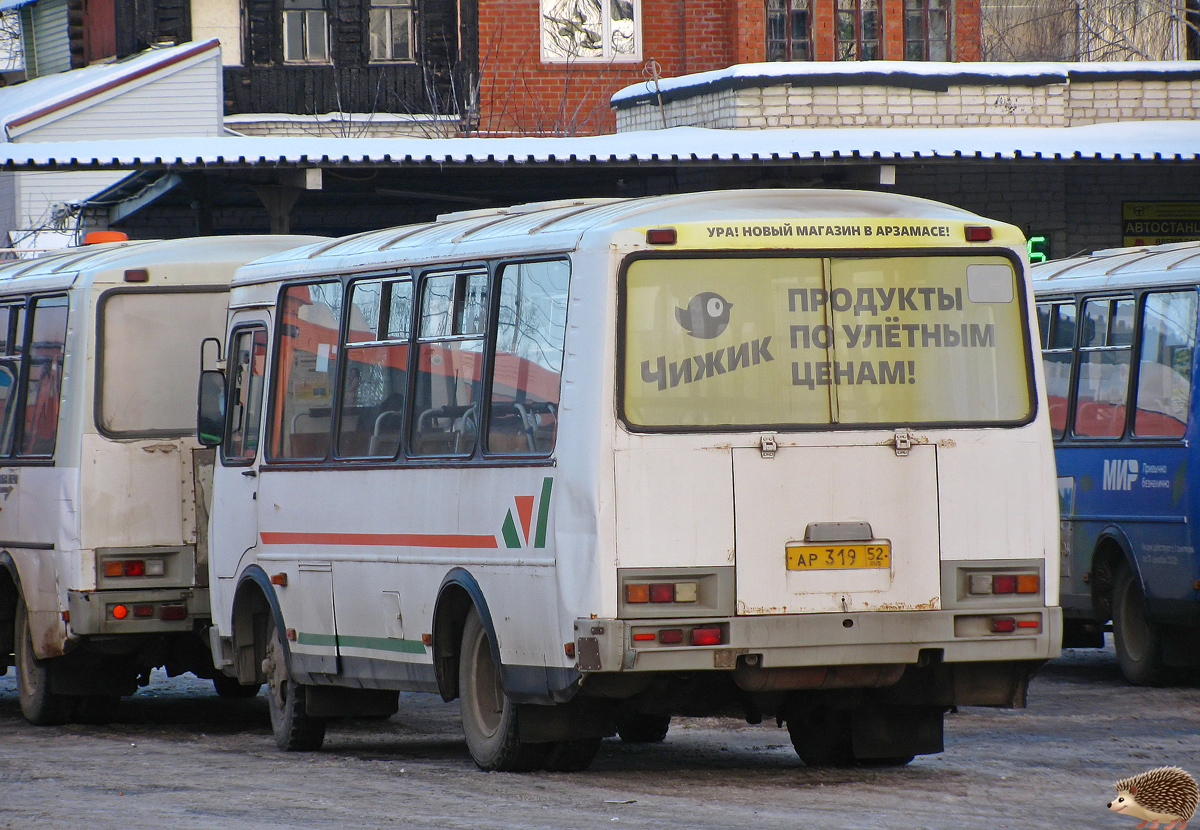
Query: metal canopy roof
x: 680, y: 146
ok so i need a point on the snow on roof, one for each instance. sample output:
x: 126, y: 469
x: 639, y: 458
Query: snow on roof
x: 23, y: 103
x: 931, y: 75
x: 1131, y: 140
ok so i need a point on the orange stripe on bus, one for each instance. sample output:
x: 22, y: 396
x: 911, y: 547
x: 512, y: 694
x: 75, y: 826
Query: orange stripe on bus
x: 407, y: 540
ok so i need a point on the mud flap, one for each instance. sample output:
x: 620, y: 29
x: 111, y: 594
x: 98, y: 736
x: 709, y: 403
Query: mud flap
x: 896, y: 731
x: 578, y: 719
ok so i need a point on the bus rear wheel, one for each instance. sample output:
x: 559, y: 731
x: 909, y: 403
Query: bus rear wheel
x: 294, y: 729
x: 1139, y: 642
x: 641, y: 728
x: 822, y: 737
x: 39, y: 704
x: 489, y: 717
x: 228, y: 688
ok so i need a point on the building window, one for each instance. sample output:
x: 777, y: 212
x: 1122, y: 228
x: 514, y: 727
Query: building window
x: 859, y: 30
x: 591, y: 30
x: 789, y: 26
x: 927, y: 30
x: 305, y: 32
x: 391, y: 30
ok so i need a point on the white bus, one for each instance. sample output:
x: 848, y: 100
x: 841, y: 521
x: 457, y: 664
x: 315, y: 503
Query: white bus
x: 103, y: 570
x: 587, y: 465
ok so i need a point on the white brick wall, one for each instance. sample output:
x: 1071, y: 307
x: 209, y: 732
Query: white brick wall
x: 1054, y: 105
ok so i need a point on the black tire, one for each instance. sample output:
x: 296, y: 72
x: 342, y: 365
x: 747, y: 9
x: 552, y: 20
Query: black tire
x: 822, y: 737
x: 640, y: 728
x: 294, y: 729
x: 228, y: 688
x: 571, y: 756
x: 489, y: 717
x: 39, y: 705
x: 1138, y: 641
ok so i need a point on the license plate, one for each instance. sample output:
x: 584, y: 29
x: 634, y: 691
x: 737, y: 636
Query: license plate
x: 831, y: 557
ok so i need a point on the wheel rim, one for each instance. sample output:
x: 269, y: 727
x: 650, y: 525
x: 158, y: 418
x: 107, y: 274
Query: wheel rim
x: 1135, y: 634
x: 487, y: 698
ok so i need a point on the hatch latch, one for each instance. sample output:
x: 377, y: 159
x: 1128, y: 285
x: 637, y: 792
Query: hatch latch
x: 769, y: 446
x: 903, y: 442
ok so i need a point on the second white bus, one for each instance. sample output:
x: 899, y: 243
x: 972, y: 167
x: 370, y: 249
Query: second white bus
x: 589, y: 465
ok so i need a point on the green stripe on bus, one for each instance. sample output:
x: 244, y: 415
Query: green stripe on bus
x: 377, y: 643
x: 511, y: 539
x: 543, y: 513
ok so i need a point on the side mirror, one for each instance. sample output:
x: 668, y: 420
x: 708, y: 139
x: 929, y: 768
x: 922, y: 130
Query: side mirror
x: 210, y: 408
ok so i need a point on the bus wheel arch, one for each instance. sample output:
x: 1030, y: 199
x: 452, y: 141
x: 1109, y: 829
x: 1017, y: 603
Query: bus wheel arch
x: 458, y: 595
x: 1112, y: 551
x: 9, y: 591
x: 254, y: 606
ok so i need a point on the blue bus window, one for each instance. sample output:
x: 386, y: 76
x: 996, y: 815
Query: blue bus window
x: 1104, y: 368
x: 1165, y: 364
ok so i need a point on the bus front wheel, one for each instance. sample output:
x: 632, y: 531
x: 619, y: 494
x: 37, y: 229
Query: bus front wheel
x: 294, y: 729
x: 1138, y: 641
x: 39, y: 704
x: 489, y: 717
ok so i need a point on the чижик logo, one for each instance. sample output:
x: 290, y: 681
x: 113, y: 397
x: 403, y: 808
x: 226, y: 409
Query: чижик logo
x: 706, y: 315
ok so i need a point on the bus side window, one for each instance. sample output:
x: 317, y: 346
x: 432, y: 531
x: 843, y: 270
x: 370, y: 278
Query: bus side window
x: 451, y: 329
x: 530, y: 334
x: 1165, y: 364
x: 249, y: 355
x: 1057, y: 323
x: 375, y: 383
x: 1104, y: 355
x: 309, y: 318
x: 44, y: 376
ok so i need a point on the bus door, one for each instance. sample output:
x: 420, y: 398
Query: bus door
x: 236, y: 539
x: 836, y: 528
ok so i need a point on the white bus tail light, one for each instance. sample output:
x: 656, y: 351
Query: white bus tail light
x: 662, y: 236
x: 978, y: 233
x: 713, y: 636
x: 661, y: 592
x: 143, y: 610
x: 671, y: 636
x: 114, y: 568
x: 172, y: 613
x: 984, y: 584
x: 1003, y: 625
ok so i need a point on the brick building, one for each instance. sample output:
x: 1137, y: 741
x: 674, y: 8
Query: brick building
x: 550, y: 66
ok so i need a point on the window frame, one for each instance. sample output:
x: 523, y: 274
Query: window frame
x: 228, y: 460
x: 922, y: 8
x: 101, y: 345
x: 389, y: 7
x: 788, y: 42
x: 287, y: 12
x: 856, y: 12
x: 608, y: 55
x: 18, y: 353
x: 1024, y: 297
x: 1070, y: 438
x: 404, y: 457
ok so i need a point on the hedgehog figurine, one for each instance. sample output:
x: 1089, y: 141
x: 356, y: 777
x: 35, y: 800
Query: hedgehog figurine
x: 1166, y: 794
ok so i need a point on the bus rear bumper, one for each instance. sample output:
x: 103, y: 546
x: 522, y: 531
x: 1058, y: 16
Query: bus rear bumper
x: 146, y: 611
x: 879, y: 638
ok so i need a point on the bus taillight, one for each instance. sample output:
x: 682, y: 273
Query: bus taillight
x: 661, y: 592
x: 1004, y: 584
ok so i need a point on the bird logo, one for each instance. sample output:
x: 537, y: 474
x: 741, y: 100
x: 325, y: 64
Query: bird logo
x: 706, y: 315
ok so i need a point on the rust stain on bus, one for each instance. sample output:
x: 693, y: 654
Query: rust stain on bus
x: 931, y: 605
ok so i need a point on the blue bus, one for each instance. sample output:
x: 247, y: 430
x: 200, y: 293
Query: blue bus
x: 1118, y: 332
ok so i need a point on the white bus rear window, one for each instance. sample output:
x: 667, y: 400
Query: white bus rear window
x: 151, y: 354
x: 816, y: 341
